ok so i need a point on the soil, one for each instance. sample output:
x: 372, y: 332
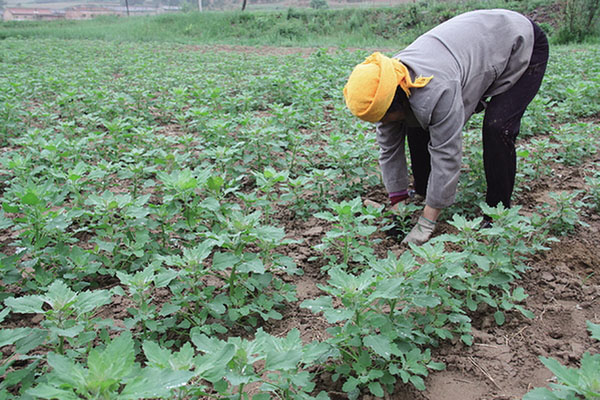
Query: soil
x: 563, y: 284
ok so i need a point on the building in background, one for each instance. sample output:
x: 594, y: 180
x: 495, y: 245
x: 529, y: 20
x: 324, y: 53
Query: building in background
x: 89, y: 12
x: 32, y: 14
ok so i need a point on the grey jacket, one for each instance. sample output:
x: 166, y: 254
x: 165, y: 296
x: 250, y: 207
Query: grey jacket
x: 472, y: 56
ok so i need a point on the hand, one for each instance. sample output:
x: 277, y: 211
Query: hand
x: 421, y: 232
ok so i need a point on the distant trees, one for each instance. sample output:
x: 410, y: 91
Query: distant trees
x: 580, y: 20
x: 131, y: 2
x: 319, y: 4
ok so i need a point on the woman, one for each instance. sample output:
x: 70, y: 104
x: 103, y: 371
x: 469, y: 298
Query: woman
x: 487, y: 59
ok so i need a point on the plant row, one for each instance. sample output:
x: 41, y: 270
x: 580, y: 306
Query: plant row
x: 149, y: 201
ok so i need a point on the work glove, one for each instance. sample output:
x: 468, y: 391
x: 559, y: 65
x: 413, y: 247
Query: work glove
x: 421, y: 232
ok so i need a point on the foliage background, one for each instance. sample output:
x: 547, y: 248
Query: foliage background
x: 384, y: 27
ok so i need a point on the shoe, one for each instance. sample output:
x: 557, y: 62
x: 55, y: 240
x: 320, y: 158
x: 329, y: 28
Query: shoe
x: 415, y: 197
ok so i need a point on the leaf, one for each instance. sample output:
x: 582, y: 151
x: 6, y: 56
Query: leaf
x: 594, y: 330
x: 59, y: 295
x: 204, y: 343
x: 270, y: 233
x: 564, y: 374
x: 156, y: 355
x: 90, y: 300
x: 365, y: 230
x: 67, y: 370
x: 214, y: 365
x: 68, y: 332
x: 317, y: 305
x: 499, y: 317
x: 390, y: 288
x: 376, y: 389
x: 114, y: 362
x: 222, y: 261
x: 283, y: 360
x: 540, y: 394
x: 326, y: 215
x: 165, y: 277
x: 155, y: 383
x: 215, y: 183
x: 254, y: 265
x: 436, y: 366
x: 46, y: 391
x: 381, y: 345
x: 13, y: 209
x: 350, y: 384
x: 220, y: 386
x: 482, y: 262
x: 467, y: 339
x: 519, y: 294
x: 316, y: 351
x: 168, y: 309
x: 10, y: 336
x: 333, y: 316
x: 526, y: 313
x: 30, y: 199
x: 35, y: 338
x: 417, y: 381
x: 25, y: 304
x: 426, y: 301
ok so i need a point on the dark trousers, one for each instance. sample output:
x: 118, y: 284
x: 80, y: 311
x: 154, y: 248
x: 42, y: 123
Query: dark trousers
x: 501, y: 125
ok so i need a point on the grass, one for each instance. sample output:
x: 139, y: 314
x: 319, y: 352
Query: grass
x: 350, y: 27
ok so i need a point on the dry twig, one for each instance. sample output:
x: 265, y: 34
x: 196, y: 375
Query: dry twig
x: 487, y: 375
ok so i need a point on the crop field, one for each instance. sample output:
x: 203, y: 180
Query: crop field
x: 196, y: 222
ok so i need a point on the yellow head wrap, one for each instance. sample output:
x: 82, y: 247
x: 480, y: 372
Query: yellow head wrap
x: 372, y: 86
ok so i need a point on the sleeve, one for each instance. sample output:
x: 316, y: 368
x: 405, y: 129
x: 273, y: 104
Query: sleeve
x: 445, y: 148
x: 392, y: 158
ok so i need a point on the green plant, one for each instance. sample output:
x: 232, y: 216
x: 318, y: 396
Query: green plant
x: 176, y: 183
x: 140, y: 287
x: 537, y: 158
x: 319, y: 4
x: 353, y: 157
x: 287, y: 357
x: 563, y: 216
x: 110, y: 372
x: 268, y: 182
x: 67, y: 319
x: 472, y: 183
x: 572, y: 383
x: 376, y: 347
x: 295, y: 188
x: 401, y: 219
x: 579, y: 20
x: 493, y: 258
x: 234, y: 364
x: 39, y: 224
x: 349, y: 226
x: 578, y: 143
x: 593, y: 193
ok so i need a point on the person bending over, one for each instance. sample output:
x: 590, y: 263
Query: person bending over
x: 492, y: 60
